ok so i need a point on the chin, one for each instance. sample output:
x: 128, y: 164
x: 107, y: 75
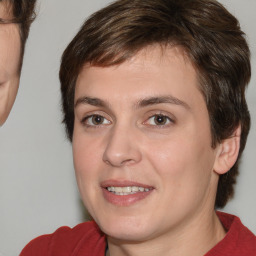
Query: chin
x: 126, y: 228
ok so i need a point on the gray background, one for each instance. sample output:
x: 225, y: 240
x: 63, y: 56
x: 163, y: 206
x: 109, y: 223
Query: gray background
x: 37, y: 186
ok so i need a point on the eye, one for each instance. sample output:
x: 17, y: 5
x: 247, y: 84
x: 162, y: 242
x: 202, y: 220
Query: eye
x: 159, y: 120
x: 95, y: 120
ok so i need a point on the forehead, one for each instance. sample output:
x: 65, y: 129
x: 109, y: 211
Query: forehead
x: 152, y: 72
x: 148, y: 65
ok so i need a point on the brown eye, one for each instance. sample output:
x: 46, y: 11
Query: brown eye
x: 97, y: 120
x: 160, y: 119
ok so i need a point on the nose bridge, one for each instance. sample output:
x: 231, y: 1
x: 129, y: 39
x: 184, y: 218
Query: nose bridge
x: 121, y: 147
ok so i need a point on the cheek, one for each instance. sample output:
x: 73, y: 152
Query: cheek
x: 14, y: 86
x: 183, y: 161
x: 86, y: 164
x: 86, y: 156
x: 184, y: 176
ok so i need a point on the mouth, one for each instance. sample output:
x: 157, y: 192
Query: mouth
x: 125, y: 193
x: 129, y: 190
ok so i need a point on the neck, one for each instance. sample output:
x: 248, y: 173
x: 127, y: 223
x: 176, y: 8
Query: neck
x: 194, y: 239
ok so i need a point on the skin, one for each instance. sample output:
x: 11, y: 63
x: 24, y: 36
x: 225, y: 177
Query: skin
x: 174, y: 158
x: 10, y: 50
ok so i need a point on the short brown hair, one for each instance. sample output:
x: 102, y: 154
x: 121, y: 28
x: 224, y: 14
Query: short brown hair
x: 209, y: 34
x: 21, y: 12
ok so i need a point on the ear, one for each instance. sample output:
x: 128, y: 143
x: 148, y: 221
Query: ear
x: 227, y: 152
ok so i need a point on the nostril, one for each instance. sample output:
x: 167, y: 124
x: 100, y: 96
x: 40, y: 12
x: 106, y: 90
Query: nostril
x: 119, y: 163
x: 120, y: 151
x: 127, y: 161
x: 107, y: 162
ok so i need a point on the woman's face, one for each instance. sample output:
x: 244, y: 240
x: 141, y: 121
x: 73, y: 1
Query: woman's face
x: 142, y: 145
x: 10, y: 52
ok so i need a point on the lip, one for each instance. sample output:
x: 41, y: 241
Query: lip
x: 124, y: 200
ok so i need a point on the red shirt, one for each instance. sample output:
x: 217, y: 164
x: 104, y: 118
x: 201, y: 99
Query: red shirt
x: 239, y: 240
x: 86, y: 239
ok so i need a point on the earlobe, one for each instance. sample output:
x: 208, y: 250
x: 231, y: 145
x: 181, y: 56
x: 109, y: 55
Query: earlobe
x: 227, y: 152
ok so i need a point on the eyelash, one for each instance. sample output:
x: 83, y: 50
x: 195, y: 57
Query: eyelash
x: 85, y: 121
x: 169, y: 121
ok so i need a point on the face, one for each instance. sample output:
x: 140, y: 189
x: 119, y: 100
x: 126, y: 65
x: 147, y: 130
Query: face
x: 10, y: 50
x: 142, y: 145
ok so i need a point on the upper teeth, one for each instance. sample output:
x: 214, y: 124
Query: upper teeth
x: 127, y: 190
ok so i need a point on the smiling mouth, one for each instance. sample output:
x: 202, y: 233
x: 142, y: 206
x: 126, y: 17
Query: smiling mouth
x: 129, y: 190
x: 125, y: 192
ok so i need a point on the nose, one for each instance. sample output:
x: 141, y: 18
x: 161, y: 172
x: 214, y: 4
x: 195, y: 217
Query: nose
x: 122, y: 148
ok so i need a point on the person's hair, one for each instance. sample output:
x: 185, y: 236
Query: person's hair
x: 210, y: 36
x: 21, y: 12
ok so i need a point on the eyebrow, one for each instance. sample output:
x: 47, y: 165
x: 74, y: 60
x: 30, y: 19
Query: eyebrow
x: 90, y: 101
x: 162, y: 99
x: 140, y: 104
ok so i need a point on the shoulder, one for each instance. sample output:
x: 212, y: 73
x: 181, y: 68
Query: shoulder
x: 236, y: 229
x: 65, y: 241
x: 239, y: 240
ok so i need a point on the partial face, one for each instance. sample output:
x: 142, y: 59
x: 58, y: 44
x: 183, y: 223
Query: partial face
x: 142, y: 145
x: 10, y: 50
